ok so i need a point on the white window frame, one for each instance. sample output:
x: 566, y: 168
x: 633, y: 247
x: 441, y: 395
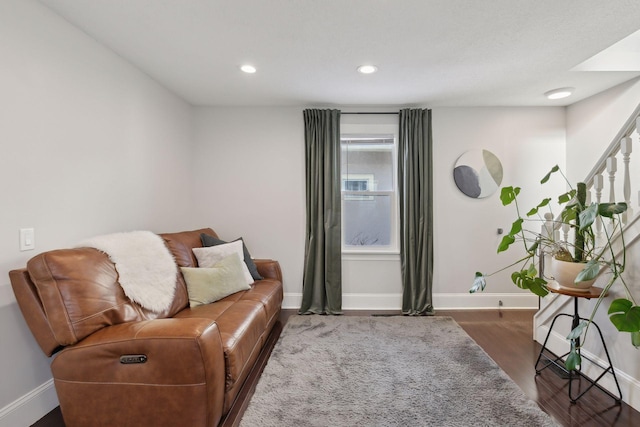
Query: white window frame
x: 386, y: 130
x: 357, y: 195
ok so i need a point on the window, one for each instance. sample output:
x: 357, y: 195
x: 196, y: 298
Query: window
x: 369, y: 202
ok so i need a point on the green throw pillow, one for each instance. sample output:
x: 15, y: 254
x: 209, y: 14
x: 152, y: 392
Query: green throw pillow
x: 206, y: 285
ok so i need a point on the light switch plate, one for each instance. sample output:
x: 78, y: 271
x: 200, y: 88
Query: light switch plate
x: 27, y: 239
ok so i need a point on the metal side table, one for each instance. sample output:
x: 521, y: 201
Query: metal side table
x: 550, y: 359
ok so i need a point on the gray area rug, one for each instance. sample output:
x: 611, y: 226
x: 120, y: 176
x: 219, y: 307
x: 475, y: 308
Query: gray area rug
x: 385, y: 371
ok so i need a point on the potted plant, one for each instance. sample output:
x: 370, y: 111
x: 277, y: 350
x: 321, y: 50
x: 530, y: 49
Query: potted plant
x: 592, y: 255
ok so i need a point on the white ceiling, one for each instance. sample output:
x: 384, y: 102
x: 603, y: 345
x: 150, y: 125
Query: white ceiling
x: 429, y: 52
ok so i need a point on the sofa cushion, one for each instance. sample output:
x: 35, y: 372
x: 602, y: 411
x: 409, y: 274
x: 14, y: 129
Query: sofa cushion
x: 146, y: 269
x: 242, y: 325
x: 210, y: 256
x: 208, y: 240
x: 206, y: 285
x: 80, y: 293
x: 181, y: 244
x: 269, y: 293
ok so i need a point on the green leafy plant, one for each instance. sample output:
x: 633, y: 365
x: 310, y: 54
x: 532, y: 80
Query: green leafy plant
x: 624, y: 313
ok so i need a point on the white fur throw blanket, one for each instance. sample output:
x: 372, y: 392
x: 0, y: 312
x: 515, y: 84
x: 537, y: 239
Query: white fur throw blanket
x: 146, y: 269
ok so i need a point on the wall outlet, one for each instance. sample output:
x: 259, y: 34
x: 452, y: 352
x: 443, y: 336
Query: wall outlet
x: 27, y: 239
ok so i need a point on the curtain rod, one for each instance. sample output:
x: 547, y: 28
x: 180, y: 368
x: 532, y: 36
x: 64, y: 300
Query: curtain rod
x: 362, y: 112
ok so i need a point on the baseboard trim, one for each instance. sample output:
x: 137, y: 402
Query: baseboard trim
x: 29, y: 408
x: 441, y: 301
x: 488, y: 301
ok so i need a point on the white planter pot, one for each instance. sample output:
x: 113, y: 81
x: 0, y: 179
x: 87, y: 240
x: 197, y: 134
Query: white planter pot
x: 564, y: 273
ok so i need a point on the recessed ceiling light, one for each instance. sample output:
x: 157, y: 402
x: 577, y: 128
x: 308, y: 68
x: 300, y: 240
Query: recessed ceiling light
x: 249, y: 69
x: 559, y: 93
x: 367, y: 69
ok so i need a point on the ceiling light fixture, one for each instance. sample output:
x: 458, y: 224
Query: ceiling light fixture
x: 559, y: 93
x: 249, y: 69
x: 367, y: 69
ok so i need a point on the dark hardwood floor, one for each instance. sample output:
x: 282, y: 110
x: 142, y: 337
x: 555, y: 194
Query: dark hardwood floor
x: 506, y: 336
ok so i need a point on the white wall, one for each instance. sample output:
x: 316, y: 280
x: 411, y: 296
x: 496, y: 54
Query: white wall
x: 593, y: 123
x: 250, y: 182
x: 88, y: 145
x: 529, y: 142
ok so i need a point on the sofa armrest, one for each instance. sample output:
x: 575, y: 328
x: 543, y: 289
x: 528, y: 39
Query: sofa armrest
x: 157, y: 372
x: 269, y: 269
x: 33, y: 311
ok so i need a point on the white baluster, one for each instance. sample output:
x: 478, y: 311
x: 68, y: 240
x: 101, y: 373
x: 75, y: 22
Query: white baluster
x: 565, y: 231
x: 625, y: 150
x: 549, y: 228
x: 612, y: 168
x: 549, y: 232
x: 598, y: 185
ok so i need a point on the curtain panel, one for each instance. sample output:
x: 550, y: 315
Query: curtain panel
x: 415, y: 194
x: 322, y: 280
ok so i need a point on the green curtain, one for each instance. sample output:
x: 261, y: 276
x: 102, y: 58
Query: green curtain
x: 322, y: 280
x: 415, y: 194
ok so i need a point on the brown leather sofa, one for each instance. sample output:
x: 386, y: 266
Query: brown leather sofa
x: 118, y: 364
